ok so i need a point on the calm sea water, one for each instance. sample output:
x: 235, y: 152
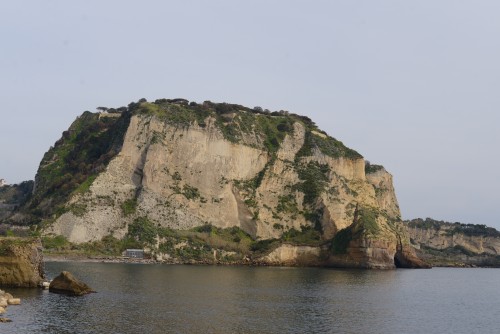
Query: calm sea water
x: 135, y: 298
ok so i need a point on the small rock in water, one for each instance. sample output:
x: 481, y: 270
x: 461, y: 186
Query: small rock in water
x: 46, y: 285
x: 14, y: 301
x: 2, y: 310
x: 5, y: 320
x: 68, y: 284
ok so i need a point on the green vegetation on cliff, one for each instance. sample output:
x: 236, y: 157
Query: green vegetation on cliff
x: 341, y: 241
x: 370, y: 168
x: 454, y: 228
x: 12, y: 198
x: 71, y: 165
x: 8, y: 245
x: 364, y: 225
x: 16, y: 194
x: 316, y: 139
x: 314, y: 178
x: 238, y: 123
x: 197, y: 244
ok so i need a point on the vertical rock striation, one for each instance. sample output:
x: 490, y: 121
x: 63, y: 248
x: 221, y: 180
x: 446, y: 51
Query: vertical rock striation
x: 273, y: 175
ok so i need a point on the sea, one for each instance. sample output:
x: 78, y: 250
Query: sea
x: 156, y: 298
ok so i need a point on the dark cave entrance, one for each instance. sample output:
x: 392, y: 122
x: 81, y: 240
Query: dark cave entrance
x: 397, y: 261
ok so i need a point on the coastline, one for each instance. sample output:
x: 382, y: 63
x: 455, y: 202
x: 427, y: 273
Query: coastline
x: 120, y: 259
x: 102, y: 259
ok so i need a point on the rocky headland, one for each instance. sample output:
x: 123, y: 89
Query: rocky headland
x: 215, y: 183
x: 454, y: 244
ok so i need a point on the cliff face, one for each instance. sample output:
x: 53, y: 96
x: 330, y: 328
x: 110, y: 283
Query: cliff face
x: 445, y: 243
x: 21, y: 262
x: 446, y: 238
x: 454, y: 244
x: 270, y: 175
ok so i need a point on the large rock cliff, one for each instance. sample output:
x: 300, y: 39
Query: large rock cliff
x: 272, y: 175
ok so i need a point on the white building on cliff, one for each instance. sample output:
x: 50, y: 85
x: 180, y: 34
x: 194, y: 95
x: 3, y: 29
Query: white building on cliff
x: 2, y: 183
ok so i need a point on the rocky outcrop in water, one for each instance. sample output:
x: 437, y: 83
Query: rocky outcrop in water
x: 21, y: 262
x: 68, y: 284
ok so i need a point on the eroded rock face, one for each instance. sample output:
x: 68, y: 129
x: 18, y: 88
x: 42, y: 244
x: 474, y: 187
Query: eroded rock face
x: 68, y: 284
x: 406, y: 258
x: 373, y: 241
x: 362, y: 253
x: 21, y: 262
x: 454, y: 244
x: 182, y: 177
x: 444, y: 238
x: 158, y: 173
x: 293, y: 255
x: 165, y: 171
x: 366, y: 253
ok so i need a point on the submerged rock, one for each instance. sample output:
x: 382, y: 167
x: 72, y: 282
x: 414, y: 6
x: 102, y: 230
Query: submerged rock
x: 68, y: 284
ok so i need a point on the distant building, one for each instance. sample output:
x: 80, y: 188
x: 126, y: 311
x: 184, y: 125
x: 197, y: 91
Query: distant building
x: 135, y: 253
x: 2, y: 183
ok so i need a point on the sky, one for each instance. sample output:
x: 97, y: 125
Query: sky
x: 411, y: 85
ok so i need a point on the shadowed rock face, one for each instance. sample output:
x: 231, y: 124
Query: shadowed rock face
x: 387, y: 248
x: 362, y: 253
x: 68, y: 284
x: 21, y: 262
x: 406, y: 258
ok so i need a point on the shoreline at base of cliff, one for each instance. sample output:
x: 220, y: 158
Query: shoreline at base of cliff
x: 118, y: 259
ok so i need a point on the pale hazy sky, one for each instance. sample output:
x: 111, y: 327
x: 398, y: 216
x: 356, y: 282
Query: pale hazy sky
x: 412, y: 85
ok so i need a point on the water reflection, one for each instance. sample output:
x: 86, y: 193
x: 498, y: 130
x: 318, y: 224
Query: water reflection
x: 211, y: 299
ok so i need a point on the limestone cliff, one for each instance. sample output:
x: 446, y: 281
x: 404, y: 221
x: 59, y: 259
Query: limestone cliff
x: 21, y: 262
x: 455, y: 244
x: 273, y: 175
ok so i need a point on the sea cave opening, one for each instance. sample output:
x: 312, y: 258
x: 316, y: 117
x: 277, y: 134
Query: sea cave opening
x: 397, y: 261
